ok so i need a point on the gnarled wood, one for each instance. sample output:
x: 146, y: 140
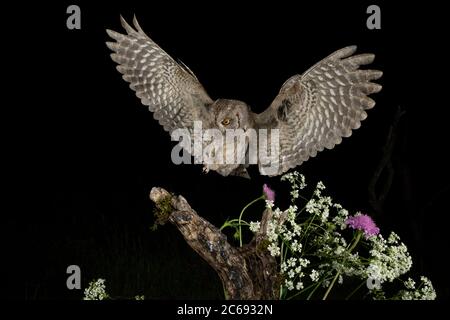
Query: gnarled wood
x: 249, y: 272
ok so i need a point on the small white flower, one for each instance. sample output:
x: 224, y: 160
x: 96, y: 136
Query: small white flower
x: 272, y: 235
x: 389, y: 259
x: 285, y: 177
x: 302, y: 181
x: 269, y: 204
x: 314, y: 275
x: 374, y: 272
x: 393, y: 238
x: 341, y: 217
x: 303, y: 262
x: 325, y: 214
x: 311, y: 206
x: 291, y: 262
x: 299, y: 285
x: 254, y: 226
x: 288, y: 235
x: 289, y: 284
x: 296, y: 246
x: 96, y: 290
x: 410, y: 284
x: 427, y: 291
x: 339, y: 250
x: 291, y: 273
x: 297, y: 229
x: 424, y: 291
x: 291, y: 213
x: 274, y: 250
x: 277, y: 213
x: 282, y: 230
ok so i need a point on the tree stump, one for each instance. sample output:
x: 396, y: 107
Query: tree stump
x: 247, y: 272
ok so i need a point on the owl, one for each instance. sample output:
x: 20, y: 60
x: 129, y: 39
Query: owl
x: 312, y: 111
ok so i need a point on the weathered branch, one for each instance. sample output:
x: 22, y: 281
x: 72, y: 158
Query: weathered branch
x: 249, y: 272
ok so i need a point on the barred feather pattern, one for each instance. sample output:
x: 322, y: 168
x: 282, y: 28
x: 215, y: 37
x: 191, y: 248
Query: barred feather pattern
x: 312, y: 111
x: 170, y: 90
x: 317, y: 109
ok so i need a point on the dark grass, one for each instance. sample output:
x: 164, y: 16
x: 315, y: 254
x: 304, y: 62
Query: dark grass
x: 132, y: 259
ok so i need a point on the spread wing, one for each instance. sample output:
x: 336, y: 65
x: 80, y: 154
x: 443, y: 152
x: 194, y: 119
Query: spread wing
x: 315, y: 110
x: 170, y: 90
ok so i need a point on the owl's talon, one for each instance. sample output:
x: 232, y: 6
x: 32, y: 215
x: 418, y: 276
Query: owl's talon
x: 205, y: 169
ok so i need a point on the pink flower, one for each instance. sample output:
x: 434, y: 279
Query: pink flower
x: 268, y: 193
x: 364, y: 223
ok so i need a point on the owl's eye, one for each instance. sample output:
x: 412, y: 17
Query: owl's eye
x: 226, y: 121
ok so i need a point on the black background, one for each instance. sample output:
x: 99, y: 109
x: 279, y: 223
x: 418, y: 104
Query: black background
x: 92, y: 152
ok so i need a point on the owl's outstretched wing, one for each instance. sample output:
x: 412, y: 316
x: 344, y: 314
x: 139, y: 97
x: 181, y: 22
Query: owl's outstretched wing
x: 170, y: 90
x: 315, y: 110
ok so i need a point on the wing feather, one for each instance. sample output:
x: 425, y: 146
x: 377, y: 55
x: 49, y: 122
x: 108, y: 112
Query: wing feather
x: 170, y: 90
x: 326, y: 103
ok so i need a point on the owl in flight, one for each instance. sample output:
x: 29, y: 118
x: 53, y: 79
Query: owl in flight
x: 312, y: 111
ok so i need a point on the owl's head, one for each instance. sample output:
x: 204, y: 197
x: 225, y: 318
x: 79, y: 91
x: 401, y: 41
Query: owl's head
x: 231, y: 114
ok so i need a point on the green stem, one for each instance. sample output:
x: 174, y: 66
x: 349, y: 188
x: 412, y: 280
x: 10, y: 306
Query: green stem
x: 304, y: 198
x: 303, y: 290
x: 233, y: 224
x: 318, y: 226
x: 282, y: 255
x: 281, y: 292
x: 355, y: 242
x: 354, y: 291
x: 314, y: 290
x: 306, y: 235
x: 331, y: 285
x: 225, y: 224
x: 358, y: 237
x: 224, y: 292
x: 240, y: 217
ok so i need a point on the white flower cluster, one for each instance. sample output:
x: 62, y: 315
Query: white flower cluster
x: 389, y: 258
x: 296, y: 180
x: 341, y: 216
x: 314, y: 275
x: 312, y: 237
x: 269, y: 204
x: 410, y: 284
x: 283, y: 226
x: 332, y: 250
x: 255, y: 226
x: 425, y: 291
x: 274, y: 249
x: 96, y: 290
x: 293, y: 269
x: 320, y: 205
